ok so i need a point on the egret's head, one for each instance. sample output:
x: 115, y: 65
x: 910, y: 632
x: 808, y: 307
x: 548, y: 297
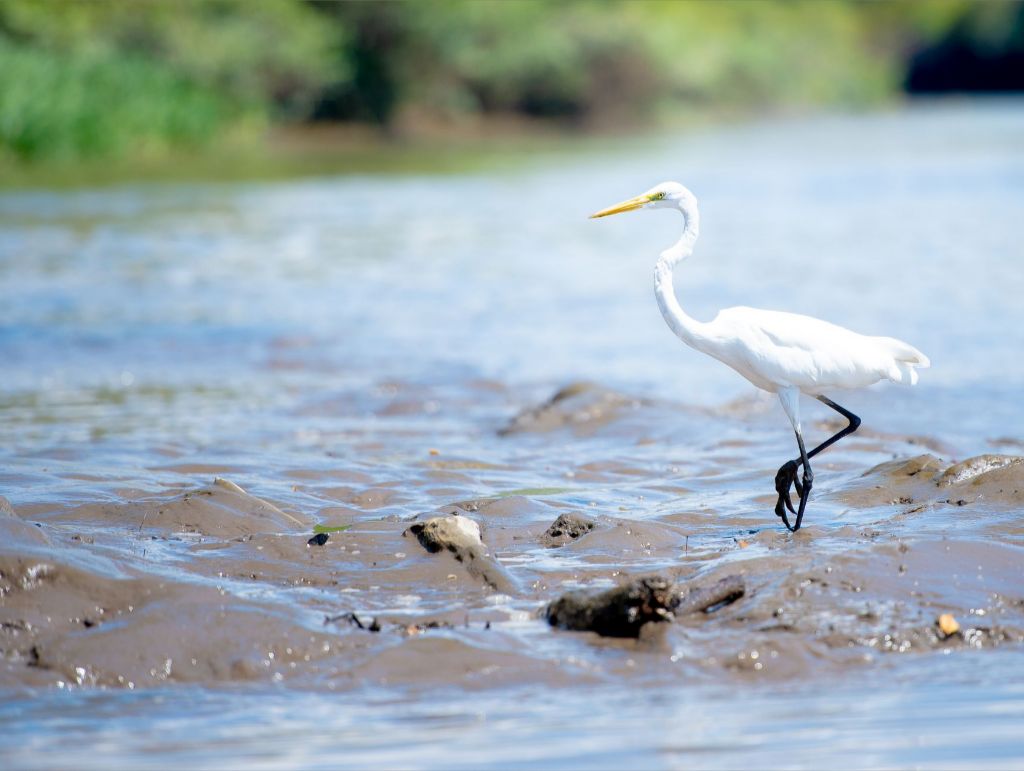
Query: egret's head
x: 666, y: 195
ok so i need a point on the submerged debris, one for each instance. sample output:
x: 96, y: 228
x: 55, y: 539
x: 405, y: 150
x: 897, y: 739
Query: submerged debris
x: 318, y: 540
x: 622, y: 611
x: 567, y: 528
x: 423, y: 626
x: 352, y: 618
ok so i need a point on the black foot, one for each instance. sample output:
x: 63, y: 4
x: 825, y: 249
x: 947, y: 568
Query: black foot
x: 784, y: 479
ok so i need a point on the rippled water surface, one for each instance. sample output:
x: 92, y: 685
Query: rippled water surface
x: 350, y: 349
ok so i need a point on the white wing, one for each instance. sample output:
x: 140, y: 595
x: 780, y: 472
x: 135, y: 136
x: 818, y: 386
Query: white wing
x: 775, y: 350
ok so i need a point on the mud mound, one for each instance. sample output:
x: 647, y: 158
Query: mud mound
x: 162, y: 641
x: 895, y: 482
x: 223, y: 509
x: 582, y: 406
x: 46, y: 598
x: 995, y: 479
x: 16, y: 533
x: 925, y: 479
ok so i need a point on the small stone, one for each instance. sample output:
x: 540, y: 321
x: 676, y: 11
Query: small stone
x: 318, y: 540
x: 948, y: 625
x: 567, y: 528
x: 460, y: 536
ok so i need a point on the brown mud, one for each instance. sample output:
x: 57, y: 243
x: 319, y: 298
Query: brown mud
x: 212, y: 584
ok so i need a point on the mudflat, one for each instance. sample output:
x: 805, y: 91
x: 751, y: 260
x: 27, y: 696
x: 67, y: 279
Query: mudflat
x: 212, y: 584
x: 290, y: 480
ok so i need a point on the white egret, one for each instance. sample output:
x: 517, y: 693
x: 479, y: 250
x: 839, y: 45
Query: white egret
x: 782, y: 353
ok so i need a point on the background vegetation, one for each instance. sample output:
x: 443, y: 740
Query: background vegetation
x: 81, y: 79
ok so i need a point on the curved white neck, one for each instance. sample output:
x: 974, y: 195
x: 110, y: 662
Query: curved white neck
x: 689, y: 330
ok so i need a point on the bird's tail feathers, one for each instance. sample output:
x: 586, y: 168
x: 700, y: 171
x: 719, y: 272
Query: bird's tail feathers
x: 902, y: 372
x: 906, y: 360
x: 904, y: 352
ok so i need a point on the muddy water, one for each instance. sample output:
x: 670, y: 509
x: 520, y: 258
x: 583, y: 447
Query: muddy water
x: 197, y: 379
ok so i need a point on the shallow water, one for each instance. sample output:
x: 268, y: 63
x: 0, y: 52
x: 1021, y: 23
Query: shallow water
x: 350, y: 348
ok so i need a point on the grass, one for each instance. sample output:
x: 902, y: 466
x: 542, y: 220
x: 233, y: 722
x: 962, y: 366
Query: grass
x: 99, y: 106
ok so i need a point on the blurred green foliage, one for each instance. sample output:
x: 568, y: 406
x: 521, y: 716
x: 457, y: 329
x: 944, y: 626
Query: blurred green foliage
x: 81, y: 78
x: 94, y: 104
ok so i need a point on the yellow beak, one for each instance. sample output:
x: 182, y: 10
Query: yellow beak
x: 633, y: 203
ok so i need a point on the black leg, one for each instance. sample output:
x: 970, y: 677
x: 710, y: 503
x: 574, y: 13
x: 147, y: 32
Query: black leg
x: 787, y: 474
x: 853, y: 425
x: 803, y: 491
x: 787, y: 477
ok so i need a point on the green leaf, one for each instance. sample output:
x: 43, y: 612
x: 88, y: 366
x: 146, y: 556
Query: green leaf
x: 317, y: 529
x: 528, y: 491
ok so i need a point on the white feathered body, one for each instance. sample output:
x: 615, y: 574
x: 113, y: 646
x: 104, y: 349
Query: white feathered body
x: 783, y: 353
x: 776, y: 350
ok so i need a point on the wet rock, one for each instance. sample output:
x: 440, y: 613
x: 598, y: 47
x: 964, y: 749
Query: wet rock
x: 618, y: 612
x: 577, y: 405
x: 623, y: 611
x: 947, y: 625
x: 460, y: 536
x: 318, y: 540
x: 568, y: 527
x: 455, y: 534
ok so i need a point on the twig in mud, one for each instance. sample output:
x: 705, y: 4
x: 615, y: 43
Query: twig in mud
x: 352, y: 618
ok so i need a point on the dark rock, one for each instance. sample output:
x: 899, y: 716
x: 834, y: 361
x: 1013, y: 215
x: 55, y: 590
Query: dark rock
x: 618, y: 612
x: 318, y: 540
x: 568, y: 527
x: 623, y: 611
